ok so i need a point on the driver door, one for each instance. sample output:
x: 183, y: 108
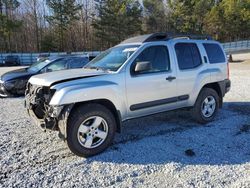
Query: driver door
x: 154, y: 90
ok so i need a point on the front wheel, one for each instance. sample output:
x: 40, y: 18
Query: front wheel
x: 91, y: 129
x: 206, y: 106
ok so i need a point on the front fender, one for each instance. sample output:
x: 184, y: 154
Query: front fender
x: 87, y: 92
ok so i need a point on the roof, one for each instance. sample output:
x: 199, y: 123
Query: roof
x: 164, y: 37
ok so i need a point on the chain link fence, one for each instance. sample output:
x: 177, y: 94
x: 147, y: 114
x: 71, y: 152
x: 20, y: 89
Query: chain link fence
x: 232, y: 47
x: 29, y: 58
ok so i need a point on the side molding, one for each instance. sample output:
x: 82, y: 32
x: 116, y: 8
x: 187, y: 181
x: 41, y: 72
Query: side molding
x: 158, y: 102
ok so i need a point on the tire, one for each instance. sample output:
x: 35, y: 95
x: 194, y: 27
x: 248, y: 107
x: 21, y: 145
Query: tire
x: 199, y: 109
x: 79, y: 134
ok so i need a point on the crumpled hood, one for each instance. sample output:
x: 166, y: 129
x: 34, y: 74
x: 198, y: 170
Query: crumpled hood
x: 47, y: 79
x: 15, y: 74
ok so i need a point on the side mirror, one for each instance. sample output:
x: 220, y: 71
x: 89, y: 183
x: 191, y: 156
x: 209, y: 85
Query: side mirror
x: 143, y: 66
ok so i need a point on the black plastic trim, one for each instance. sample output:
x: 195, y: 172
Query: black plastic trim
x: 225, y: 86
x: 158, y: 102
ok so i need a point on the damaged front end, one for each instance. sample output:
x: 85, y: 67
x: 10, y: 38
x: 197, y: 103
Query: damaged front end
x: 37, y: 100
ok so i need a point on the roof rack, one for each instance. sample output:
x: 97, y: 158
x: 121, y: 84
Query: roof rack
x: 164, y: 37
x: 189, y: 36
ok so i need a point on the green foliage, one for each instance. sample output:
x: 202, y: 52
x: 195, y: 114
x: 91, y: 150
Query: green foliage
x: 48, y: 43
x: 229, y: 20
x: 65, y: 12
x: 117, y: 20
x: 187, y: 16
x: 8, y: 25
x: 155, y: 16
x: 63, y: 21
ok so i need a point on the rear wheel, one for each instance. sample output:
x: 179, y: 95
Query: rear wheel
x: 206, y: 106
x: 91, y: 129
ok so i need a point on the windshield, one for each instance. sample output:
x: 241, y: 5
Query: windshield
x: 38, y: 66
x: 113, y: 58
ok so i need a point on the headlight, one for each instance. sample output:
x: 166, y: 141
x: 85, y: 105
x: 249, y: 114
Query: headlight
x: 9, y: 84
x: 56, y: 110
x: 17, y: 84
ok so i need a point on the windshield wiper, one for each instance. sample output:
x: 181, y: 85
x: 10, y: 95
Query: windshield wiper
x: 99, y: 68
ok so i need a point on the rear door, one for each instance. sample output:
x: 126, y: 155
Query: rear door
x: 191, y: 70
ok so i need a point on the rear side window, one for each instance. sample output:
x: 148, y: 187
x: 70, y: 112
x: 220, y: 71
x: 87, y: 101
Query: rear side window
x: 188, y: 55
x: 214, y: 53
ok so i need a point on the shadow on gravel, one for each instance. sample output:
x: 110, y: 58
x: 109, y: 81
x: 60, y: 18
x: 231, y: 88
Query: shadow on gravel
x: 170, y: 137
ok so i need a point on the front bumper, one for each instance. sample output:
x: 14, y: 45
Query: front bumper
x: 45, y: 122
x: 38, y: 122
x: 3, y: 91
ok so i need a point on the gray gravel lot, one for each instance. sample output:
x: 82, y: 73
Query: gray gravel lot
x: 150, y: 151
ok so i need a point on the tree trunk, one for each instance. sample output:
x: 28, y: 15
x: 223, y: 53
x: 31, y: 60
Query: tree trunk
x: 36, y: 25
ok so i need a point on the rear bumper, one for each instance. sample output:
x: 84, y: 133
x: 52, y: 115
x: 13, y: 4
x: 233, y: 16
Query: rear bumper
x: 227, y: 85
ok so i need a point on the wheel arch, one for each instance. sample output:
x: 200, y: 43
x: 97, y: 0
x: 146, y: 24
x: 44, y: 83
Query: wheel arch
x: 69, y: 109
x: 217, y: 87
x: 109, y: 105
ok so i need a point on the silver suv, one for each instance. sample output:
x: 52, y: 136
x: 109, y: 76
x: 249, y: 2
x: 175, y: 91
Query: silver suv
x: 141, y: 76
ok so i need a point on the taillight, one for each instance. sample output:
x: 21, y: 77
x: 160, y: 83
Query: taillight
x: 228, y: 71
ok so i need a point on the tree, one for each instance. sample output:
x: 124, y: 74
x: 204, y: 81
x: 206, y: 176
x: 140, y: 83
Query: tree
x: 117, y: 20
x: 187, y: 16
x: 8, y: 24
x: 229, y: 20
x: 65, y: 12
x: 35, y: 18
x: 79, y: 25
x: 48, y: 43
x: 155, y: 16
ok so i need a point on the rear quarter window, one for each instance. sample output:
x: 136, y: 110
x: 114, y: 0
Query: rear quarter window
x: 215, y: 53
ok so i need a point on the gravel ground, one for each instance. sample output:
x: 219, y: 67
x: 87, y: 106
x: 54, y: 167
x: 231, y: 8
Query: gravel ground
x: 164, y: 150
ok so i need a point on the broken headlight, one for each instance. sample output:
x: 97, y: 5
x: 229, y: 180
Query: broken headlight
x: 55, y: 111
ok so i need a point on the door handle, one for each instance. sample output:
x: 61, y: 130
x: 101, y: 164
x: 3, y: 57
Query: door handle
x: 170, y: 78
